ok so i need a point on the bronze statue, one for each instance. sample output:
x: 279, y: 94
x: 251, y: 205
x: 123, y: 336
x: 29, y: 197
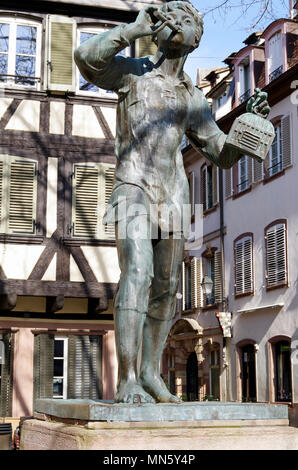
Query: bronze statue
x: 157, y: 105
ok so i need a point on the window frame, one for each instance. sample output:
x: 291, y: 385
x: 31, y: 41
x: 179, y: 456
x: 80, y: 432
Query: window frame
x: 65, y: 367
x: 95, y: 29
x: 20, y: 21
x: 279, y: 164
x: 286, y: 282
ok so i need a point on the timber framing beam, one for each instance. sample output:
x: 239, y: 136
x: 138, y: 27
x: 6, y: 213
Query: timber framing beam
x: 8, y: 301
x: 54, y: 304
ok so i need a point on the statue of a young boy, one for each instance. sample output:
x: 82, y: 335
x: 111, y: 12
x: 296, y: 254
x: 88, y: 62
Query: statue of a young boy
x: 157, y: 105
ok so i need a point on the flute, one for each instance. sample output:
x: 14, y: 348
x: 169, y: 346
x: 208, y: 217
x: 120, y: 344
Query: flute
x: 169, y: 23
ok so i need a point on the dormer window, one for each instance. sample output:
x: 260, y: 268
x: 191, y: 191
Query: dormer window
x: 244, y: 78
x: 275, y: 56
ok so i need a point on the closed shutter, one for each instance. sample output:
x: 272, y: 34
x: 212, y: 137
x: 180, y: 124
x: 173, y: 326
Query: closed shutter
x: 196, y: 279
x: 249, y: 169
x: 6, y: 377
x: 43, y: 366
x: 60, y: 66
x: 217, y: 277
x: 84, y: 367
x: 215, y: 184
x: 204, y: 187
x: 109, y: 173
x: 286, y: 142
x: 145, y: 46
x: 276, y: 255
x: 92, y: 189
x: 258, y: 171
x: 183, y: 286
x: 228, y: 183
x: 22, y: 197
x: 243, y: 266
x: 192, y: 188
x: 85, y: 201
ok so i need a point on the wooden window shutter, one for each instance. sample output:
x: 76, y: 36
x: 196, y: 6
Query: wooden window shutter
x: 276, y: 255
x: 22, y: 196
x: 6, y: 377
x: 145, y: 46
x: 286, y: 142
x: 59, y: 65
x: 217, y: 277
x: 43, y: 366
x: 215, y: 184
x: 196, y: 279
x: 109, y: 173
x: 249, y: 176
x: 84, y: 367
x: 228, y: 182
x: 85, y: 201
x: 204, y: 187
x: 192, y: 189
x: 258, y: 171
x: 183, y: 286
x: 243, y: 266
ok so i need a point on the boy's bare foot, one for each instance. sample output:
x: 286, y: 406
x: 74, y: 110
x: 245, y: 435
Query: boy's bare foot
x: 154, y: 385
x: 132, y: 392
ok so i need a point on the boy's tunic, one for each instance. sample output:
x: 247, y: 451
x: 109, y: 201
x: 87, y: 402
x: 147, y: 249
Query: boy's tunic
x: 154, y: 112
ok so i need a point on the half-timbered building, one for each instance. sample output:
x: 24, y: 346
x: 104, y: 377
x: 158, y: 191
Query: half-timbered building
x: 58, y: 263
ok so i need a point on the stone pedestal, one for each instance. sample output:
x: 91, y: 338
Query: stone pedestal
x: 98, y: 425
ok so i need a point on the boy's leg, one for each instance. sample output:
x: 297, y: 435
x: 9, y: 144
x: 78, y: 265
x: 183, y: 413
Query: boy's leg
x: 168, y: 256
x: 131, y: 304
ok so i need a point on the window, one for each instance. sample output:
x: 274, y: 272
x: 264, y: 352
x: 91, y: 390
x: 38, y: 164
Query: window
x: 243, y: 262
x: 210, y: 272
x: 283, y: 381
x: 276, y: 255
x: 209, y: 186
x: 67, y: 367
x: 20, y: 51
x: 275, y: 56
x: 191, y: 284
x: 214, y: 373
x: 244, y: 77
x: 212, y: 268
x: 243, y: 174
x: 18, y: 195
x: 83, y: 87
x: 275, y: 153
x: 6, y: 345
x: 248, y: 373
x: 192, y: 192
x: 60, y: 367
x: 92, y: 188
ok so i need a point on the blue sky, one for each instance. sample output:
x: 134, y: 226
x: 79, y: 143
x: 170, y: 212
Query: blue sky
x: 226, y: 31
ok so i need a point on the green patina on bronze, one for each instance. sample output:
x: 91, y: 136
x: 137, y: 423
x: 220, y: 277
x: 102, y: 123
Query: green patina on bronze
x: 157, y: 105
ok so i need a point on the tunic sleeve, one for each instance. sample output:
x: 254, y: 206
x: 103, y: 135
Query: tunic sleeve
x: 206, y: 137
x: 96, y: 59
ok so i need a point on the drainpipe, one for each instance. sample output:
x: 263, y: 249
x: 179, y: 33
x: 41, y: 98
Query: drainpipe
x: 224, y: 306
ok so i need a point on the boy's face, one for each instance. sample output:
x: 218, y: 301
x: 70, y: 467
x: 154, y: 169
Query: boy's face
x: 184, y: 40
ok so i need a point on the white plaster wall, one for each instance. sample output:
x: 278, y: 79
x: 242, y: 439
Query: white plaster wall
x: 103, y: 261
x: 57, y: 117
x: 17, y: 261
x: 50, y: 274
x: 252, y: 213
x: 4, y: 103
x: 75, y: 273
x: 110, y: 116
x: 51, y: 217
x: 26, y: 117
x: 85, y: 123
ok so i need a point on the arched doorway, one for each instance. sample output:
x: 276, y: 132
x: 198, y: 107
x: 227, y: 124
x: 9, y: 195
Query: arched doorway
x: 192, y: 383
x: 248, y: 373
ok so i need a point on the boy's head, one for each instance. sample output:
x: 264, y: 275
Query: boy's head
x: 188, y: 10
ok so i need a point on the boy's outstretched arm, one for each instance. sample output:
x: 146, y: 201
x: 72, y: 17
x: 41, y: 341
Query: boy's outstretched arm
x: 97, y: 57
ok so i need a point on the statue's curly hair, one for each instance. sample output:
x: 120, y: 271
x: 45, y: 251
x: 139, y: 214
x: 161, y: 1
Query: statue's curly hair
x: 189, y: 8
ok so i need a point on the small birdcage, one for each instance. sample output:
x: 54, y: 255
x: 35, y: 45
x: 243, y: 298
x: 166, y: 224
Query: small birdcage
x: 251, y: 134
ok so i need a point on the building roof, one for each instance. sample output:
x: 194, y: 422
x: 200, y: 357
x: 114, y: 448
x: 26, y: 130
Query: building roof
x: 130, y: 5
